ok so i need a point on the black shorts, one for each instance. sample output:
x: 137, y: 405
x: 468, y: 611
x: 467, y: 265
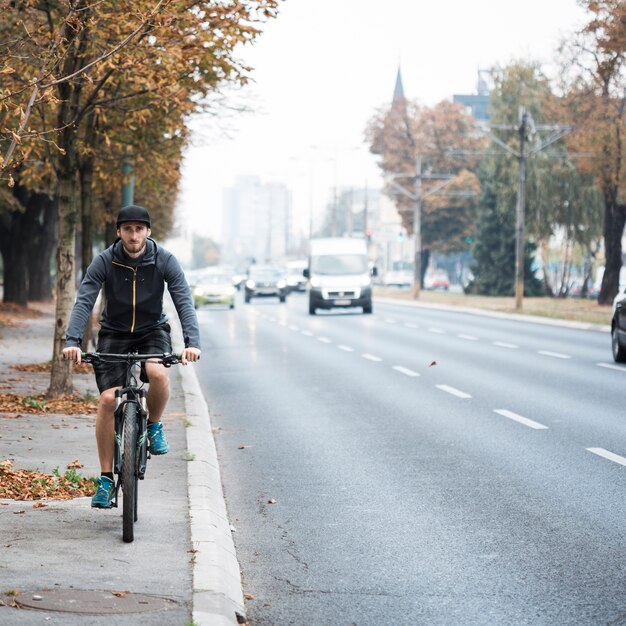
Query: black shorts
x: 154, y: 341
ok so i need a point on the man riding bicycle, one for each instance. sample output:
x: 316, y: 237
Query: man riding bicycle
x: 133, y: 272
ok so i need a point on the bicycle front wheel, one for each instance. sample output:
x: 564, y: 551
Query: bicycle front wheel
x: 129, y: 471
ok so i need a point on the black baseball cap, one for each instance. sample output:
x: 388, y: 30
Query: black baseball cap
x: 133, y: 213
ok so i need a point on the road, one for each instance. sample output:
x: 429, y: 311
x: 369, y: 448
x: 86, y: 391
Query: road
x: 419, y: 466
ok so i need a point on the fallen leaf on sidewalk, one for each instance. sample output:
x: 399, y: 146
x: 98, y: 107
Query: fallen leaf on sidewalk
x: 39, y: 505
x: 38, y: 403
x: 433, y: 363
x: 243, y: 446
x: 249, y: 596
x: 33, y: 485
x: 75, y: 464
x: 271, y: 501
x: 120, y: 594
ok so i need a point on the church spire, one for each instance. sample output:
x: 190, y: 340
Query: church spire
x: 398, y: 91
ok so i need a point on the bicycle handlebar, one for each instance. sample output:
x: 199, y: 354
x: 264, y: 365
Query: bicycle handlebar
x: 166, y: 358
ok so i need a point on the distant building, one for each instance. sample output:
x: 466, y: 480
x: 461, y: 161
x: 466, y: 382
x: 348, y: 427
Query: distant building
x: 256, y: 221
x: 478, y: 103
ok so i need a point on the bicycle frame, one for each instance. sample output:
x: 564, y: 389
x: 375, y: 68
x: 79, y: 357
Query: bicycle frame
x: 136, y: 394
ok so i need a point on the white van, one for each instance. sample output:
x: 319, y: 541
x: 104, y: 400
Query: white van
x: 339, y: 274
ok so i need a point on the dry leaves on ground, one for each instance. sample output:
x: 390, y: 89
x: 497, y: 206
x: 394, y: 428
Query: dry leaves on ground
x: 68, y: 405
x: 32, y: 485
x: 13, y: 314
x: 46, y: 368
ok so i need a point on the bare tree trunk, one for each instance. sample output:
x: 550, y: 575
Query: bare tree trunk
x: 39, y: 271
x: 14, y: 257
x: 614, y: 219
x: 61, y: 375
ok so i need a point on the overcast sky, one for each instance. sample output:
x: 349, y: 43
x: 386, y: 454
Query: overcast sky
x: 321, y: 70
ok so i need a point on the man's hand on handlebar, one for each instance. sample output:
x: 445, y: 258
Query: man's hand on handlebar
x: 72, y: 354
x: 190, y: 355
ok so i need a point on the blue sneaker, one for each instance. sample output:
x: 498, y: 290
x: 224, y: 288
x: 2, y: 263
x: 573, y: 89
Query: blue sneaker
x: 103, y: 498
x: 156, y: 439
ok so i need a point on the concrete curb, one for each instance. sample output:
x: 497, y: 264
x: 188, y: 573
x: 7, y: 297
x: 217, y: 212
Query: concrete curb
x: 217, y: 592
x: 548, y: 321
x: 217, y: 595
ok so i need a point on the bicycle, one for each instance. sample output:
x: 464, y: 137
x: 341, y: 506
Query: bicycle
x: 131, y: 423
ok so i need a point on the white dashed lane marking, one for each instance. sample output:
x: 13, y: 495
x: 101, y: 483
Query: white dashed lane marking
x: 293, y: 327
x: 437, y: 331
x: 504, y: 344
x: 468, y: 337
x: 324, y: 339
x: 371, y: 357
x: 610, y: 366
x: 455, y: 392
x: 411, y: 325
x: 404, y: 370
x: 555, y: 355
x: 616, y: 458
x: 345, y: 348
x: 520, y: 418
x: 308, y: 333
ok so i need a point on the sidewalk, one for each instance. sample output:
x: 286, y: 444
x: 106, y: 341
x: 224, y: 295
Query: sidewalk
x: 68, y: 561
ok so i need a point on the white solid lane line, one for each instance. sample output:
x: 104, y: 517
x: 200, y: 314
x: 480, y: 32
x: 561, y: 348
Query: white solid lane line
x: 504, y: 344
x: 404, y: 370
x: 468, y: 337
x: 520, y: 419
x: 610, y: 366
x: 437, y: 331
x: 455, y: 392
x: 345, y: 348
x: 371, y: 357
x: 556, y: 355
x: 616, y: 458
x: 324, y: 339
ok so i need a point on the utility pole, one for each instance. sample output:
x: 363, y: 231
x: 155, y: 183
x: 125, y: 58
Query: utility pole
x: 526, y: 129
x: 519, y: 212
x: 417, y: 230
x: 417, y: 196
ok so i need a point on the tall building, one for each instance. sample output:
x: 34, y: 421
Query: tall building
x: 256, y: 221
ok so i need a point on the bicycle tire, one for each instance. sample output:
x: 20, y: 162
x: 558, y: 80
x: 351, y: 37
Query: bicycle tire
x: 129, y: 471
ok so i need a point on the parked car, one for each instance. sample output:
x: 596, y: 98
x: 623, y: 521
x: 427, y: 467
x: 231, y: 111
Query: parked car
x: 437, y: 280
x: 398, y: 278
x: 212, y: 287
x: 618, y: 328
x: 264, y: 281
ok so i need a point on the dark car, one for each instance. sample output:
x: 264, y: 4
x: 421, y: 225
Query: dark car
x: 618, y: 328
x: 265, y: 281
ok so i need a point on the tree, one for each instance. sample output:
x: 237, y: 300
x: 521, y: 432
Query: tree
x: 494, y: 251
x: 594, y: 84
x: 154, y: 53
x: 445, y: 139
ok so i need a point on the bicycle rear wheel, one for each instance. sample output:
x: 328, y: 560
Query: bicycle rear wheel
x: 129, y: 471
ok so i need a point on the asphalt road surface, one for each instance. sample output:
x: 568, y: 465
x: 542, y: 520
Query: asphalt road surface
x: 419, y: 466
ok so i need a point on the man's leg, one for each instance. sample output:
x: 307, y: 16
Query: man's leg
x: 159, y: 390
x: 158, y: 395
x: 105, y: 438
x: 105, y: 429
